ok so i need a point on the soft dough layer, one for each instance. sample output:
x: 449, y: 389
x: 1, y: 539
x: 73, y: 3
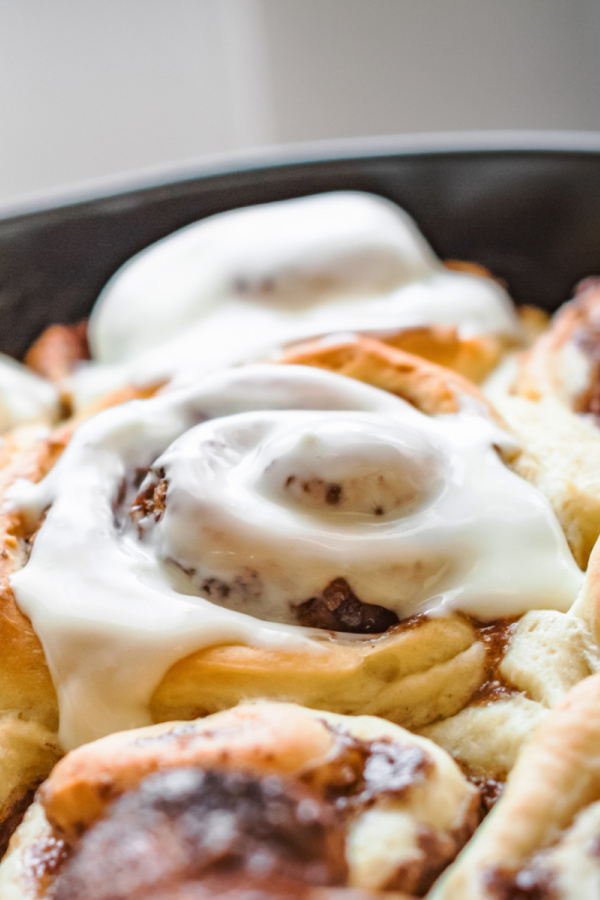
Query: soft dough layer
x: 541, y: 840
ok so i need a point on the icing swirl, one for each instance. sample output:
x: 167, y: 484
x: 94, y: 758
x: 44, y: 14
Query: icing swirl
x: 264, y: 486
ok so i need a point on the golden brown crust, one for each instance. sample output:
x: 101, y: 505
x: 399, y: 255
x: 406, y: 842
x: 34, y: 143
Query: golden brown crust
x: 433, y: 389
x: 253, y: 738
x: 58, y: 349
x: 473, y: 358
x: 409, y: 676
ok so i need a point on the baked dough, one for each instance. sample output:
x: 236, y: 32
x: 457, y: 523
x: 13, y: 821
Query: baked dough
x: 541, y: 840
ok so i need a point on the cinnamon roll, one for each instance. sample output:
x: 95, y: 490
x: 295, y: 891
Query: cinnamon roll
x: 549, y: 401
x: 241, y: 285
x: 279, y: 531
x: 542, y: 839
x: 269, y: 800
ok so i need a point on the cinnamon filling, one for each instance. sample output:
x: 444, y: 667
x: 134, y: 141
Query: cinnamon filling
x: 338, y: 608
x: 217, y: 831
x: 495, y: 637
x: 362, y: 771
x: 490, y: 791
x: 528, y: 884
x: 185, y: 826
x: 151, y: 501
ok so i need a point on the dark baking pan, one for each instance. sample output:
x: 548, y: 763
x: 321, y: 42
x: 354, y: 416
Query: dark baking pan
x: 525, y: 205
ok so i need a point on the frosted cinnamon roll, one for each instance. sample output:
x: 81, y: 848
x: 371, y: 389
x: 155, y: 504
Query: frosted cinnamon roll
x: 270, y: 799
x: 550, y: 403
x: 541, y: 840
x: 279, y: 531
x: 240, y: 285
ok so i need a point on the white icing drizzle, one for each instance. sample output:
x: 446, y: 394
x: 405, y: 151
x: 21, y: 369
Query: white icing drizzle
x: 237, y: 285
x: 429, y: 519
x: 24, y: 396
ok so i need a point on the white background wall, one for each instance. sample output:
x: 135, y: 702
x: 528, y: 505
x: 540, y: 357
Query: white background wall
x: 95, y: 87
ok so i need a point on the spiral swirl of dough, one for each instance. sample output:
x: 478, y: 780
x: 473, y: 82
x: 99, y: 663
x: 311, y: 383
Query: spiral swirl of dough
x: 265, y: 485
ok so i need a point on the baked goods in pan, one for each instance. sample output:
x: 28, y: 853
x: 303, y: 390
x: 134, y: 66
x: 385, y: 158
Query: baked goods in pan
x: 373, y: 249
x: 541, y: 840
x: 269, y: 800
x: 238, y: 286
x: 286, y: 531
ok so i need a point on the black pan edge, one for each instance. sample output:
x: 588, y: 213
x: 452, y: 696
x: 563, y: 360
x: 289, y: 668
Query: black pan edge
x: 526, y: 204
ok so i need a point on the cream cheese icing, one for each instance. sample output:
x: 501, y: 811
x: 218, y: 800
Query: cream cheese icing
x: 236, y: 286
x: 24, y: 396
x: 427, y: 519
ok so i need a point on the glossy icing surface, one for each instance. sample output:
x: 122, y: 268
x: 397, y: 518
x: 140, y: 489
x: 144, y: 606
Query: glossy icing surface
x: 239, y: 285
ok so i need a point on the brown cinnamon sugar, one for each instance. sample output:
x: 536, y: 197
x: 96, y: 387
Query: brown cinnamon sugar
x: 361, y: 771
x: 338, y: 608
x: 490, y: 790
x: 151, y: 501
x: 13, y: 817
x: 43, y: 861
x: 495, y: 637
x: 184, y: 827
x: 505, y: 884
